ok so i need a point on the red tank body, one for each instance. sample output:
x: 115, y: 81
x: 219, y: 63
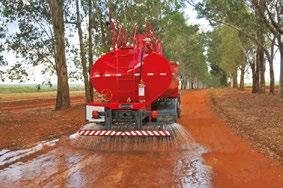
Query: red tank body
x: 119, y: 73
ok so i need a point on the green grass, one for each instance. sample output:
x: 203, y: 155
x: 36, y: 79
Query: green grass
x: 27, y: 88
x: 249, y: 84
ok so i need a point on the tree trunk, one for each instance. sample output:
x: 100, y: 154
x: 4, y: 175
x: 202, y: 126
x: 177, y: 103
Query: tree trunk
x: 191, y: 81
x: 256, y: 70
x: 270, y: 58
x: 255, y: 77
x: 185, y: 82
x: 57, y: 16
x: 259, y: 67
x: 83, y: 54
x: 104, y: 32
x: 281, y: 50
x: 281, y: 69
x: 235, y: 80
x: 272, y: 82
x: 262, y: 76
x: 261, y: 70
x: 242, y: 78
x: 90, y: 45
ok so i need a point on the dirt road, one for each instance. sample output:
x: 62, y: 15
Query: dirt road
x: 234, y: 162
x: 209, y: 154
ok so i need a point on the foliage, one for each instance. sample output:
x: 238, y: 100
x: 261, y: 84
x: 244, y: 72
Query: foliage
x: 231, y: 50
x: 130, y: 14
x: 184, y: 43
x: 31, y: 37
x: 225, y: 53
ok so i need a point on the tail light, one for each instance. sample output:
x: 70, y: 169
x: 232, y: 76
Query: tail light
x: 95, y: 114
x: 154, y: 114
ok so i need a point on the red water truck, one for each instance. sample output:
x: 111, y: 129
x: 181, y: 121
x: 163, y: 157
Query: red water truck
x: 140, y: 87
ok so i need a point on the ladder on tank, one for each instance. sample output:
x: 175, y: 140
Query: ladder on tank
x: 126, y: 94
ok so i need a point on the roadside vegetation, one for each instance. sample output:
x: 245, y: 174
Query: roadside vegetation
x: 22, y: 88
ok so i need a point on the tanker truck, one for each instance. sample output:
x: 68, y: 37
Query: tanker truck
x: 140, y: 88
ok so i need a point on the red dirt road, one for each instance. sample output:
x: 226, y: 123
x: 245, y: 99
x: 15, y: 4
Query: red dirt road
x: 35, y: 120
x: 232, y: 161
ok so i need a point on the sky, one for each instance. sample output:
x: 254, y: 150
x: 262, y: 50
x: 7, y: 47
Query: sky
x: 37, y: 78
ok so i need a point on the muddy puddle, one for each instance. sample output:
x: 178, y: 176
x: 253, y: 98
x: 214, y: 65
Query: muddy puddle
x: 77, y: 161
x: 7, y: 157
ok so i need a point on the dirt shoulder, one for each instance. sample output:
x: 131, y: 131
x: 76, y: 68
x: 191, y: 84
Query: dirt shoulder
x: 33, y: 119
x: 256, y: 117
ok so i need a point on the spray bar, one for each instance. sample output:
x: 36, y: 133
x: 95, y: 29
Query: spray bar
x: 123, y: 133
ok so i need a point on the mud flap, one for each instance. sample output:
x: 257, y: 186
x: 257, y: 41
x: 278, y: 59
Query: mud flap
x: 139, y: 115
x: 108, y: 119
x: 168, y: 110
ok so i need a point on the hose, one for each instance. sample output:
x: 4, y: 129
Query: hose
x: 141, y: 60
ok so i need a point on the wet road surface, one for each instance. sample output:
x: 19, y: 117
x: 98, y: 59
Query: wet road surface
x: 147, y: 164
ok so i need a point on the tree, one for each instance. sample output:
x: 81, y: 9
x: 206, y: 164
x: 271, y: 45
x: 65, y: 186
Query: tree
x: 184, y: 43
x: 271, y: 68
x: 2, y: 47
x: 130, y: 14
x: 213, y: 57
x: 241, y: 16
x: 90, y: 44
x: 231, y: 52
x: 83, y: 54
x: 32, y: 40
x: 269, y: 13
x: 37, y: 41
x: 57, y: 17
x: 226, y: 53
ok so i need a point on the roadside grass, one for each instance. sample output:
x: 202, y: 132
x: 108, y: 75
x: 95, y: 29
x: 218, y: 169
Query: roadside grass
x: 30, y: 88
x: 30, y: 91
x: 249, y: 84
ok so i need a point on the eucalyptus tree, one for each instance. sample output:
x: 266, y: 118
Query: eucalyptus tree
x: 185, y: 44
x: 240, y: 15
x: 226, y: 55
x: 213, y: 58
x: 3, y: 30
x: 90, y: 43
x: 39, y: 39
x: 231, y: 52
x: 131, y: 14
x: 271, y: 12
x: 57, y: 17
x: 85, y: 70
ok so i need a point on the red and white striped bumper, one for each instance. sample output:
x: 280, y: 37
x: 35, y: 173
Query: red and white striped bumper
x: 123, y: 133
